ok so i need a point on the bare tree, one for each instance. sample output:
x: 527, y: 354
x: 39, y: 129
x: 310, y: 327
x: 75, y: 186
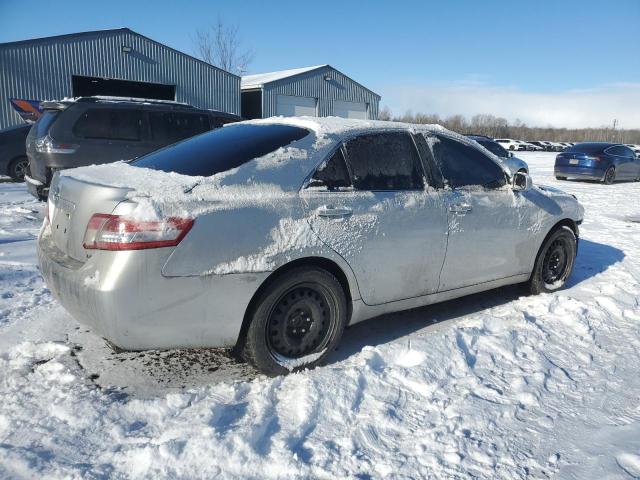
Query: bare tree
x: 385, y: 114
x: 220, y: 45
x: 497, y: 127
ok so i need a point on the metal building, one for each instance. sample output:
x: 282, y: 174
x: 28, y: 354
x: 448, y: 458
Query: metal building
x: 116, y: 62
x: 319, y: 91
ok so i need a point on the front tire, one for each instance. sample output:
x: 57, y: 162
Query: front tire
x: 560, y: 178
x: 554, y: 262
x: 18, y: 169
x: 609, y: 176
x: 297, y: 322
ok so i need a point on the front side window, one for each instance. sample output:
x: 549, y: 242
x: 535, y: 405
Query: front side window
x: 462, y: 165
x: 110, y: 124
x: 171, y: 127
x: 332, y: 175
x: 384, y: 161
x: 222, y: 149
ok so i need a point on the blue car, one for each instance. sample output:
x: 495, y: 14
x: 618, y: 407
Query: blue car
x: 603, y: 161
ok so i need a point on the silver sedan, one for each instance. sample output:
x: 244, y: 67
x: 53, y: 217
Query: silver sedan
x: 271, y: 236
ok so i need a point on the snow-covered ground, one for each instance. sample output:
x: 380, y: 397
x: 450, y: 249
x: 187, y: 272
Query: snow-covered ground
x: 497, y: 385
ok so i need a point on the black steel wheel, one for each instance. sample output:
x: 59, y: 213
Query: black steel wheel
x: 610, y: 175
x: 18, y: 169
x: 554, y: 262
x: 296, y: 322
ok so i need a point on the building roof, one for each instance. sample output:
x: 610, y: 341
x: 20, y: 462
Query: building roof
x: 260, y: 79
x: 107, y: 31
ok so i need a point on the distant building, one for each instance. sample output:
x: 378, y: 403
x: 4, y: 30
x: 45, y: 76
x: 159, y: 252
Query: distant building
x: 116, y: 62
x: 318, y: 91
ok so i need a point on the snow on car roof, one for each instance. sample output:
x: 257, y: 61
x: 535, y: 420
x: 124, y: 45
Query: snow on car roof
x: 264, y: 180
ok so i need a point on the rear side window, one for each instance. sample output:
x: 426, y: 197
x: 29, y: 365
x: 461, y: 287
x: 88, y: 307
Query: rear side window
x: 222, y: 149
x: 171, y: 127
x: 462, y: 165
x: 111, y: 124
x: 385, y: 161
x: 332, y: 175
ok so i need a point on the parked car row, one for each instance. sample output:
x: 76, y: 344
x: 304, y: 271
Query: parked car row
x: 520, y: 145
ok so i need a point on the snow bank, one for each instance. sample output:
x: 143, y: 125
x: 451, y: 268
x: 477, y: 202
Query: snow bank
x: 496, y: 385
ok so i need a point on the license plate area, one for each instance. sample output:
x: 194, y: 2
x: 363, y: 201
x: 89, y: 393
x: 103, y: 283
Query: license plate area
x: 573, y: 161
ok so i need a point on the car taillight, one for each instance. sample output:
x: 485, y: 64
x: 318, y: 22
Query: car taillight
x: 113, y: 232
x: 47, y: 145
x: 594, y: 158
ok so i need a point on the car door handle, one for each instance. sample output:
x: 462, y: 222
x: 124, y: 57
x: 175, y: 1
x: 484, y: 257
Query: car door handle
x: 460, y: 208
x: 334, y: 212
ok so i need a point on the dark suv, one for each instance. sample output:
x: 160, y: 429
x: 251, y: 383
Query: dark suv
x: 94, y: 130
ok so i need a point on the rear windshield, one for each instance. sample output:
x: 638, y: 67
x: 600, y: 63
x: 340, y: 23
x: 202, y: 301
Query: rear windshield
x: 587, y: 148
x: 221, y: 150
x: 42, y: 125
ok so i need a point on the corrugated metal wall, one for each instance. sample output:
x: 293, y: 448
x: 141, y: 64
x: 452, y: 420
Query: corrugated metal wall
x: 313, y: 84
x: 42, y: 69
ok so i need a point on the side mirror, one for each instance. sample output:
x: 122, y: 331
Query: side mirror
x: 510, y: 154
x: 522, y: 182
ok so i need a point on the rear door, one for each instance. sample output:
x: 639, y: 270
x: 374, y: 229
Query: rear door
x: 369, y: 203
x: 110, y: 133
x: 488, y: 236
x: 167, y: 127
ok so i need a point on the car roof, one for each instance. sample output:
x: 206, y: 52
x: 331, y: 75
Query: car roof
x: 104, y: 100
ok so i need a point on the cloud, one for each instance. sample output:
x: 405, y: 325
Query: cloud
x: 577, y: 108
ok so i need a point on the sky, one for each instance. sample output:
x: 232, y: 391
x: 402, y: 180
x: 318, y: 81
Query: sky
x: 561, y: 63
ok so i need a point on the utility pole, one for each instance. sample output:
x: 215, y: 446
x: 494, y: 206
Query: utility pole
x: 613, y: 133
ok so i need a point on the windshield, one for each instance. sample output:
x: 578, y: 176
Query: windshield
x: 494, y: 148
x: 222, y: 149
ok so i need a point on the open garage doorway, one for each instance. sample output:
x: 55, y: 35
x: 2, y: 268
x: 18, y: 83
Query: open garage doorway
x: 111, y: 87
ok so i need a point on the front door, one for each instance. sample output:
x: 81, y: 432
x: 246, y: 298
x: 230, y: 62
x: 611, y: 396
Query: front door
x: 488, y: 237
x: 369, y: 203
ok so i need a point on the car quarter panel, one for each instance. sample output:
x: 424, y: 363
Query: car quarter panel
x: 123, y: 297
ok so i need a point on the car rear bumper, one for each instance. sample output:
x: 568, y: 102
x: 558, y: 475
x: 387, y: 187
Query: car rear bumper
x: 123, y: 297
x: 588, y: 173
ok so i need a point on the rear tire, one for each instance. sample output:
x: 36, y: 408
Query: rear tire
x: 18, y: 169
x: 554, y: 262
x: 296, y: 322
x: 609, y: 176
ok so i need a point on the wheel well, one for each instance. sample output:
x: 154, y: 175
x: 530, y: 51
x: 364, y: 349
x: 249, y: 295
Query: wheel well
x: 567, y: 222
x: 14, y: 160
x: 324, y: 263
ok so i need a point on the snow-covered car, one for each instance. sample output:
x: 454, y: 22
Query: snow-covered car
x: 515, y: 164
x: 510, y: 144
x: 532, y: 147
x: 271, y: 236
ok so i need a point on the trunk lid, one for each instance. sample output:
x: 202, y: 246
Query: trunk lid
x: 72, y: 202
x: 579, y: 159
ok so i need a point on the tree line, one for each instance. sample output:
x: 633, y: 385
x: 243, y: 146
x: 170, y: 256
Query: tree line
x: 498, y: 127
